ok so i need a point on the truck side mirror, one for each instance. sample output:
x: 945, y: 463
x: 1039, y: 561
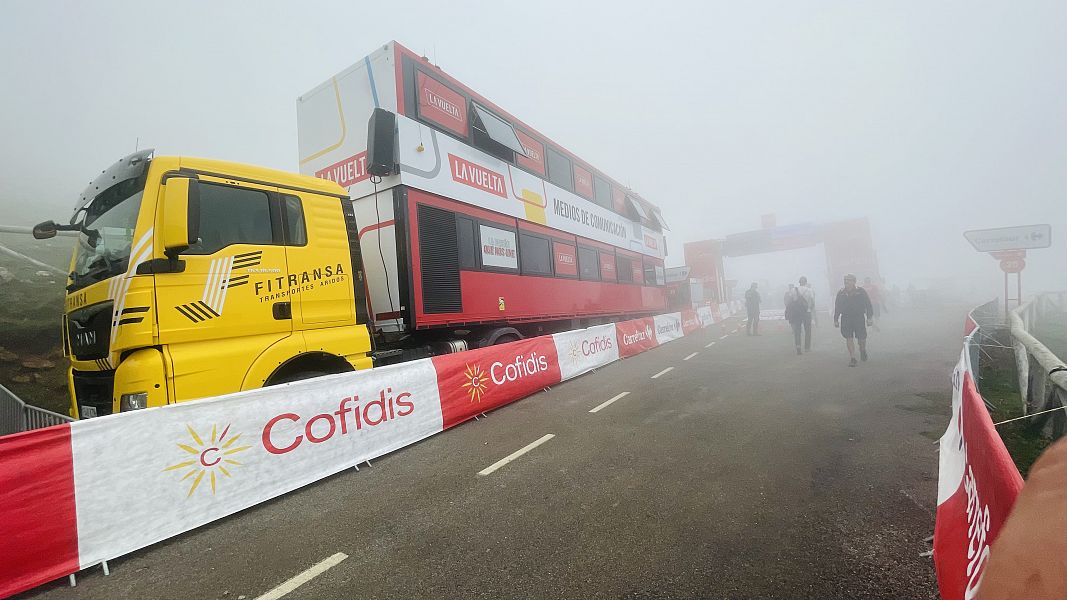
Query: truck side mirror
x: 44, y: 231
x: 181, y: 214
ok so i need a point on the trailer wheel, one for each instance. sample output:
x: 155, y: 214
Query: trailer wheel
x: 500, y: 335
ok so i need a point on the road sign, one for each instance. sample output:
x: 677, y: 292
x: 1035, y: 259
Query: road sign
x: 1010, y: 238
x: 1012, y: 265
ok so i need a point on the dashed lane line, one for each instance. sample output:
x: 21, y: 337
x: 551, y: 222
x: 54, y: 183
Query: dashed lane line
x: 516, y: 454
x: 663, y: 372
x: 724, y: 337
x: 691, y: 356
x: 304, y: 577
x: 608, y: 403
x: 710, y: 345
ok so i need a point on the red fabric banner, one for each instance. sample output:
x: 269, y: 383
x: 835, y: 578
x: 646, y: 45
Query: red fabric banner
x: 977, y: 486
x: 636, y: 336
x: 476, y: 381
x: 37, y: 502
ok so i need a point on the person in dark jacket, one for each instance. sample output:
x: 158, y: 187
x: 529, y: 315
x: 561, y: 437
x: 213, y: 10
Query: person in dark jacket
x: 852, y: 313
x: 798, y: 314
x: 752, y: 301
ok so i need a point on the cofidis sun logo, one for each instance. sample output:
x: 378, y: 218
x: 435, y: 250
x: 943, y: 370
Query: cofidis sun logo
x: 475, y: 382
x: 210, y: 458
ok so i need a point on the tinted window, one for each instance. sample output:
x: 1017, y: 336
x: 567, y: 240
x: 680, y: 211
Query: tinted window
x: 588, y: 264
x: 535, y: 255
x: 295, y: 229
x: 468, y: 246
x: 624, y: 269
x: 559, y: 170
x: 650, y: 274
x: 230, y: 215
x: 601, y: 192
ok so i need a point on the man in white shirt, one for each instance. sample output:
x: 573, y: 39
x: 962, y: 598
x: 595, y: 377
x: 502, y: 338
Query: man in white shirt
x: 808, y: 295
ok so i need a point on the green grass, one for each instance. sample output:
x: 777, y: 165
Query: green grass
x: 1000, y: 388
x: 1052, y: 332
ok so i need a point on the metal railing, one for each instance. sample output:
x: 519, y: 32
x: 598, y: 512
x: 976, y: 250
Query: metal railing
x: 1042, y: 374
x: 17, y: 416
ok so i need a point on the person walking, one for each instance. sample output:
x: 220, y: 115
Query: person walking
x: 852, y: 312
x: 752, y: 301
x: 796, y: 312
x: 809, y: 298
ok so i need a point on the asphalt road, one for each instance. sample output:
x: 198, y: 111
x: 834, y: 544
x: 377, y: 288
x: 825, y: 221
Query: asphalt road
x: 744, y: 472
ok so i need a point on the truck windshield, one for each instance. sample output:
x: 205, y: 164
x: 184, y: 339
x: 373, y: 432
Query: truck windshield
x: 107, y: 225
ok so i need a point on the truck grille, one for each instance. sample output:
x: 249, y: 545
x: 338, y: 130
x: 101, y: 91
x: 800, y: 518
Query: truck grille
x: 94, y: 389
x: 89, y: 331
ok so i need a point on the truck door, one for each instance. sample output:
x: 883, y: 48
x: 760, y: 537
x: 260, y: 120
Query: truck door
x: 232, y: 300
x: 319, y: 257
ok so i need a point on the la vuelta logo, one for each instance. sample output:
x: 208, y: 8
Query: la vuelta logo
x: 208, y: 457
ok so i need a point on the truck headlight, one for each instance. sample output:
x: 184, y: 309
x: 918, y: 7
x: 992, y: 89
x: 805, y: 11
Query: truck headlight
x: 135, y: 401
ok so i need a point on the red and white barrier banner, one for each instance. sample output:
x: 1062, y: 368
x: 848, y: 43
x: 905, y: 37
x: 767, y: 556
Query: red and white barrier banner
x: 583, y: 350
x: 668, y: 327
x: 707, y: 315
x: 724, y: 310
x: 480, y: 380
x: 80, y: 493
x: 636, y: 336
x: 977, y: 484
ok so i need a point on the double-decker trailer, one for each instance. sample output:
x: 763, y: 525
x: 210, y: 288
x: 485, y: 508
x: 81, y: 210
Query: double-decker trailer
x: 478, y: 222
x: 195, y: 277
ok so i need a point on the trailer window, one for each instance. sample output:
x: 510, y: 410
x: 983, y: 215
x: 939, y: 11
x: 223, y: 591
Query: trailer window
x: 565, y: 257
x: 535, y: 253
x: 559, y: 170
x: 601, y: 191
x: 231, y: 215
x: 493, y: 134
x: 607, y: 266
x: 468, y: 245
x: 588, y: 264
x: 583, y: 182
x: 624, y: 269
x: 650, y: 274
x: 498, y: 248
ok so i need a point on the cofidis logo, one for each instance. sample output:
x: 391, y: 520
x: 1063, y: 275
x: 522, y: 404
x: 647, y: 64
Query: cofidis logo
x: 208, y: 457
x: 286, y: 432
x: 478, y: 381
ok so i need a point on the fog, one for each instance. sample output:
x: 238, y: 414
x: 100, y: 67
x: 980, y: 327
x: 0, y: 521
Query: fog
x: 927, y: 118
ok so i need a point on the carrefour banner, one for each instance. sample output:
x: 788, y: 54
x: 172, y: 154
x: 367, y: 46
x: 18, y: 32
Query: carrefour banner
x: 583, y: 350
x: 668, y: 327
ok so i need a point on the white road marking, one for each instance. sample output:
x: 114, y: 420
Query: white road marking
x: 304, y: 577
x: 710, y: 345
x: 605, y: 405
x: 724, y: 337
x: 663, y: 372
x: 691, y: 356
x: 516, y: 454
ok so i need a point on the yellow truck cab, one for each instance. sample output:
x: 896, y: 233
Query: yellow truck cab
x: 192, y: 278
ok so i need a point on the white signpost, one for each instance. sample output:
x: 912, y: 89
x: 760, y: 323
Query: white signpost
x: 1024, y: 237
x: 1009, y: 246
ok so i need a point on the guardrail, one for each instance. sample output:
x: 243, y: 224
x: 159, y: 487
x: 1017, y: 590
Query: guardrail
x: 1042, y: 374
x: 17, y: 416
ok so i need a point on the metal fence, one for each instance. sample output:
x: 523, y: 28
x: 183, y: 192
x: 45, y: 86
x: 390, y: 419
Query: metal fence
x: 16, y: 415
x: 1042, y: 374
